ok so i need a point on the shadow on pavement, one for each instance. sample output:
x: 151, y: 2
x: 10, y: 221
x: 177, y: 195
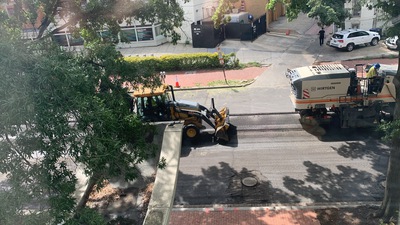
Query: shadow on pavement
x: 345, y: 184
x: 224, y: 185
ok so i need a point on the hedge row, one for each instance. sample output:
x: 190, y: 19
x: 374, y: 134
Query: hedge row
x: 186, y: 61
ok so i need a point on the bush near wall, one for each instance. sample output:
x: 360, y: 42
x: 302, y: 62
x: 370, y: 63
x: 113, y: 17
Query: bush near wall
x: 186, y: 61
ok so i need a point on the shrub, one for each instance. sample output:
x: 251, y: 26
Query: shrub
x: 185, y: 61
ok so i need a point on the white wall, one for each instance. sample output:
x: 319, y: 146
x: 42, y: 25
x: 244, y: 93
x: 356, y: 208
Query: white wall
x: 194, y: 10
x: 366, y: 20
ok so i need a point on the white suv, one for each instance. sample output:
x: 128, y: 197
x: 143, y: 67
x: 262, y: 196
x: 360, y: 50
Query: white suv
x: 349, y: 38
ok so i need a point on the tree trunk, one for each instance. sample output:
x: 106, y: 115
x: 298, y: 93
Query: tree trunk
x: 45, y: 24
x: 89, y: 188
x: 391, y: 202
x: 396, y: 83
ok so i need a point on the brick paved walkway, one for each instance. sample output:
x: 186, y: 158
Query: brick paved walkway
x: 238, y: 216
x: 202, y: 78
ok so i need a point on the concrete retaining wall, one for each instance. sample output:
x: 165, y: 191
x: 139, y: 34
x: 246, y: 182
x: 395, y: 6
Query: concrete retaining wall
x: 162, y: 197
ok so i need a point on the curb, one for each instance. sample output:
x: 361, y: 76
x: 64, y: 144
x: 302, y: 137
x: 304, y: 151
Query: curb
x: 283, y: 31
x: 215, y: 87
x: 282, y: 34
x: 382, y: 56
x: 305, y: 206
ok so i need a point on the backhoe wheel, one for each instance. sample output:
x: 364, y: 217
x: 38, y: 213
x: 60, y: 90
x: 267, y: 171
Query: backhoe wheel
x: 191, y: 131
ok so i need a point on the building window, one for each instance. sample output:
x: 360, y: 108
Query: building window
x: 128, y: 35
x: 60, y: 39
x: 66, y: 39
x: 108, y: 36
x: 145, y: 34
x: 157, y: 29
x: 74, y: 41
x: 356, y: 8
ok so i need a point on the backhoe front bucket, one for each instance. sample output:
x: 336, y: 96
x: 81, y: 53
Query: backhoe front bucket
x: 222, y: 125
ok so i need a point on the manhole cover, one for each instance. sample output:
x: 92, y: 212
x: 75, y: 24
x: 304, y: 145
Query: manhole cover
x: 249, y: 181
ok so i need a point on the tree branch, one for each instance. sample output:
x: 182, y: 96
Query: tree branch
x: 13, y: 148
x: 93, y: 180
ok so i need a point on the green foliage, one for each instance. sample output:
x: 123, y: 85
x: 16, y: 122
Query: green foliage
x: 391, y: 132
x: 122, y: 221
x: 170, y: 15
x: 87, y: 217
x: 185, y: 61
x: 62, y: 109
x: 95, y: 16
x: 252, y: 64
x: 224, y: 7
x: 326, y: 12
x: 10, y: 210
x: 230, y: 82
x: 391, y: 11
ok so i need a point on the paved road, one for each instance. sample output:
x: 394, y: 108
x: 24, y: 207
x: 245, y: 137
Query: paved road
x: 293, y: 164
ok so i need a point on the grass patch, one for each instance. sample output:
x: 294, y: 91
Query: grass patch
x: 246, y: 65
x: 392, y: 56
x: 253, y: 64
x: 230, y: 82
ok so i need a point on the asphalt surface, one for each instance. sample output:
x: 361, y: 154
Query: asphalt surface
x: 294, y: 165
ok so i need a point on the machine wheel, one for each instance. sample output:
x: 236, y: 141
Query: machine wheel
x: 191, y: 131
x: 350, y: 47
x: 374, y: 42
x: 305, y: 112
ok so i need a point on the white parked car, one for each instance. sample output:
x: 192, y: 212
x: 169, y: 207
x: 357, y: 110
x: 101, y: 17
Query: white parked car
x: 347, y: 39
x: 391, y: 42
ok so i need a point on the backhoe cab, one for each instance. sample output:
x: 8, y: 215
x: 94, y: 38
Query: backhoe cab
x: 159, y: 104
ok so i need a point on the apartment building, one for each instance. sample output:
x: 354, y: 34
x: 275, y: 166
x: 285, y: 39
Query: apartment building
x: 361, y: 16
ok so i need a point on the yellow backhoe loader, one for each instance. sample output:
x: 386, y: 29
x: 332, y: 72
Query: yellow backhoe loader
x: 159, y: 104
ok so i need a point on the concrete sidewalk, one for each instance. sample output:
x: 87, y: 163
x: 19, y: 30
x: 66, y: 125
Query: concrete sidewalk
x: 300, y: 26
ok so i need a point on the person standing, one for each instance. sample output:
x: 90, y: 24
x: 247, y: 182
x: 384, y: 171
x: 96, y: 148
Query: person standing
x: 373, y: 71
x: 321, y: 36
x: 373, y: 81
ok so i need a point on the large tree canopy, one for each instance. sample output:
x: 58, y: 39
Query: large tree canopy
x: 58, y: 108
x: 61, y: 110
x: 95, y: 15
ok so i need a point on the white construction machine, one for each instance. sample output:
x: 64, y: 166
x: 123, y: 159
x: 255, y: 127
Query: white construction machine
x: 333, y: 92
